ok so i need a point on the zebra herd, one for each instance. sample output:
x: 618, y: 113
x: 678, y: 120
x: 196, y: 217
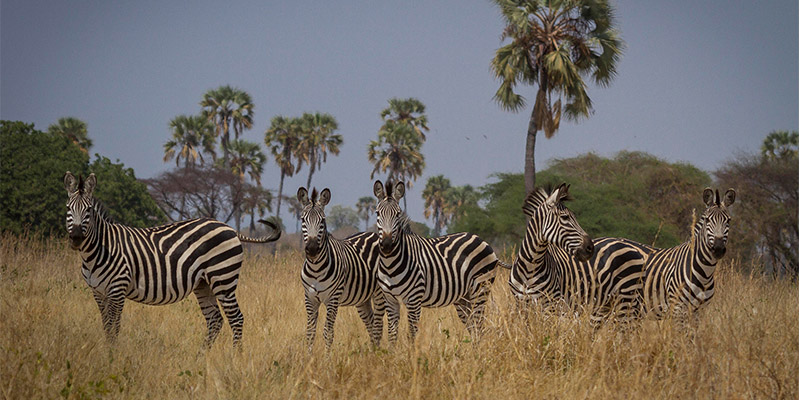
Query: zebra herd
x: 557, y: 264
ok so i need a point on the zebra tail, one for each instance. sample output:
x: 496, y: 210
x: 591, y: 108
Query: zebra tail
x: 276, y: 234
x: 504, y: 265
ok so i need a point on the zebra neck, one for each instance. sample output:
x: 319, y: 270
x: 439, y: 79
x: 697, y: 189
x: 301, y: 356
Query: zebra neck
x: 99, y: 240
x: 533, y: 248
x: 399, y: 255
x: 703, y: 264
x: 323, y: 258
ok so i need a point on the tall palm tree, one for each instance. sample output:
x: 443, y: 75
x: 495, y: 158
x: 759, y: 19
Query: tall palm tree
x: 282, y: 139
x: 554, y: 46
x: 256, y: 199
x: 409, y: 111
x: 779, y: 144
x: 398, y: 151
x: 191, y: 137
x: 73, y: 129
x: 316, y: 140
x: 435, y: 196
x: 246, y: 160
x: 364, y: 207
x: 228, y: 107
x: 457, y: 198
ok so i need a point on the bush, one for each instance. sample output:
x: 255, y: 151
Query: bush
x: 632, y: 195
x: 32, y: 194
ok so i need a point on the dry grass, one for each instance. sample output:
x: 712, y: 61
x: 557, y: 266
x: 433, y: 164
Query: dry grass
x: 745, y: 345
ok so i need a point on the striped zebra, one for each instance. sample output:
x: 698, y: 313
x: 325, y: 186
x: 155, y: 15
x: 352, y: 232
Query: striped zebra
x: 558, y: 262
x: 680, y: 279
x: 456, y: 269
x: 156, y: 266
x: 339, y: 272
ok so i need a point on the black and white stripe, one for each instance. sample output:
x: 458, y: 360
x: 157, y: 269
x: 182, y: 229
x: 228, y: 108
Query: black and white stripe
x: 558, y: 262
x: 339, y: 273
x: 456, y: 269
x: 159, y: 265
x: 680, y: 279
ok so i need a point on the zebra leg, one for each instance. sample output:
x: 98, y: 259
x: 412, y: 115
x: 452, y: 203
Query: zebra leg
x: 368, y: 317
x: 413, y: 320
x: 393, y: 317
x: 234, y: 315
x: 477, y: 304
x: 464, y: 312
x: 112, y: 312
x: 210, y: 310
x: 312, y: 311
x: 330, y: 319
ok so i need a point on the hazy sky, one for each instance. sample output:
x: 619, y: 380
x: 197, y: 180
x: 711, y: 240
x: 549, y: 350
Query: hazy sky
x: 698, y: 81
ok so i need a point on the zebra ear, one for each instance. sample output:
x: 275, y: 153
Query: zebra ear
x: 730, y: 197
x: 89, y: 184
x: 563, y: 192
x: 708, y: 197
x: 70, y: 183
x: 324, y: 197
x: 377, y: 190
x: 399, y: 191
x: 553, y: 198
x: 302, y: 196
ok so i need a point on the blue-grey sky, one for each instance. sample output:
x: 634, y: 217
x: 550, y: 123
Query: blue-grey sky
x: 698, y: 82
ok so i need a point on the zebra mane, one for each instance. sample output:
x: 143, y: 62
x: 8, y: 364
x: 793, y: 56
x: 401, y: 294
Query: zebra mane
x: 314, y: 195
x: 535, y: 198
x: 101, y: 211
x: 388, y: 188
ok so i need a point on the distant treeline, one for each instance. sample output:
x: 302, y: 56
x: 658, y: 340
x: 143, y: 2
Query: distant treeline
x: 633, y: 195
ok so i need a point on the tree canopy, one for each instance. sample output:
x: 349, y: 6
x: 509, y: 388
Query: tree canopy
x: 32, y: 195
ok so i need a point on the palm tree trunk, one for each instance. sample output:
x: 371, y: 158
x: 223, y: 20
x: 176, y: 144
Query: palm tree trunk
x: 311, y: 166
x: 530, y: 161
x: 280, y: 194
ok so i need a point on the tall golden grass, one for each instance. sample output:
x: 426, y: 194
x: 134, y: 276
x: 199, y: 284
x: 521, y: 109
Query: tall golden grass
x: 743, y: 345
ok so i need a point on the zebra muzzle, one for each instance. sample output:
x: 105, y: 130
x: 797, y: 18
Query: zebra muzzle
x: 75, y: 239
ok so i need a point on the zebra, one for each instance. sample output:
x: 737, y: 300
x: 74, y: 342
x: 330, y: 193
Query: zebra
x: 156, y: 266
x: 455, y: 269
x: 558, y: 262
x: 680, y: 279
x: 338, y: 272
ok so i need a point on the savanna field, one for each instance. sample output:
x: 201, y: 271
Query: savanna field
x: 743, y: 345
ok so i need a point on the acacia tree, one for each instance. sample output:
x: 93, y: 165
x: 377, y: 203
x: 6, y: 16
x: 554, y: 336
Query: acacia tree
x: 73, y: 129
x: 764, y: 227
x: 316, y: 140
x: 554, y: 46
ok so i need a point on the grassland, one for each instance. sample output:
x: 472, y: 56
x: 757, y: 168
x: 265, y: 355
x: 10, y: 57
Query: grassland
x: 743, y: 345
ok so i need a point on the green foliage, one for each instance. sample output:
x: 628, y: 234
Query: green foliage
x: 764, y: 224
x: 126, y: 199
x: 32, y: 195
x: 420, y: 229
x: 632, y: 195
x: 338, y: 217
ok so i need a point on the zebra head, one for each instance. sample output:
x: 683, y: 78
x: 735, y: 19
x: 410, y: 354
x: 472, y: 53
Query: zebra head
x: 313, y: 219
x: 552, y: 222
x: 391, y: 220
x: 715, y: 220
x: 79, y: 207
